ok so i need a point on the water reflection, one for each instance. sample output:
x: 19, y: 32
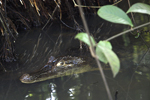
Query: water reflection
x: 74, y: 91
x: 53, y: 92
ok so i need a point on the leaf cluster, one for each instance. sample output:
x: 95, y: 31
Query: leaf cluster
x: 112, y: 14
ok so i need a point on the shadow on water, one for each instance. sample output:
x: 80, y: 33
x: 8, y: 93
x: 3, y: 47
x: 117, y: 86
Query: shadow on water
x: 35, y: 47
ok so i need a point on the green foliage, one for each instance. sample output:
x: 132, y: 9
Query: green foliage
x: 103, y: 51
x: 105, y: 54
x: 140, y: 8
x: 114, y: 14
x: 100, y: 49
x: 84, y: 38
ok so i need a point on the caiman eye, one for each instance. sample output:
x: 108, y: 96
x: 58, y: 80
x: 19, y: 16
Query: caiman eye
x: 60, y: 63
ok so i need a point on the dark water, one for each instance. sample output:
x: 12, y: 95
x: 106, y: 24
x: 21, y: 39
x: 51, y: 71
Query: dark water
x: 36, y: 46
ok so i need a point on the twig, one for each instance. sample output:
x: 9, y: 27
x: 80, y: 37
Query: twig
x: 93, y: 51
x: 84, y: 6
x: 117, y: 2
x: 51, y: 17
x: 59, y: 8
x: 146, y: 51
x: 131, y: 12
x: 76, y: 5
x: 132, y: 29
x: 3, y: 67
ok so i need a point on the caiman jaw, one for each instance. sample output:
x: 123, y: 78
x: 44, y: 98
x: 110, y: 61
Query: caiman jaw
x: 25, y: 78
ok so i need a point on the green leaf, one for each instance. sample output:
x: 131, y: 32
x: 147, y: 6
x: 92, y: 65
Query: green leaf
x: 105, y: 54
x: 106, y: 44
x: 84, y: 38
x: 140, y: 8
x: 114, y: 14
x: 99, y: 51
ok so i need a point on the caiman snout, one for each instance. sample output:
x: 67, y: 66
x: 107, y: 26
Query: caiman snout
x: 25, y: 78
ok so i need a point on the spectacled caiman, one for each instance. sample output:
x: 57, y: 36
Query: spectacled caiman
x: 62, y: 66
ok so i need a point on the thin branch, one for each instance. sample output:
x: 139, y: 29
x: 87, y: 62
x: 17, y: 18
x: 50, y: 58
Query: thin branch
x: 132, y: 29
x: 92, y: 50
x: 131, y: 12
x: 51, y: 17
x: 76, y: 5
x: 117, y: 2
x: 84, y: 6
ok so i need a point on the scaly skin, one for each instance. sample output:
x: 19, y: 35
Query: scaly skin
x: 58, y: 67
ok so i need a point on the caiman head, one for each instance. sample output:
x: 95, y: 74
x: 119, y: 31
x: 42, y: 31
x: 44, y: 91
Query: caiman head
x: 54, y: 68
